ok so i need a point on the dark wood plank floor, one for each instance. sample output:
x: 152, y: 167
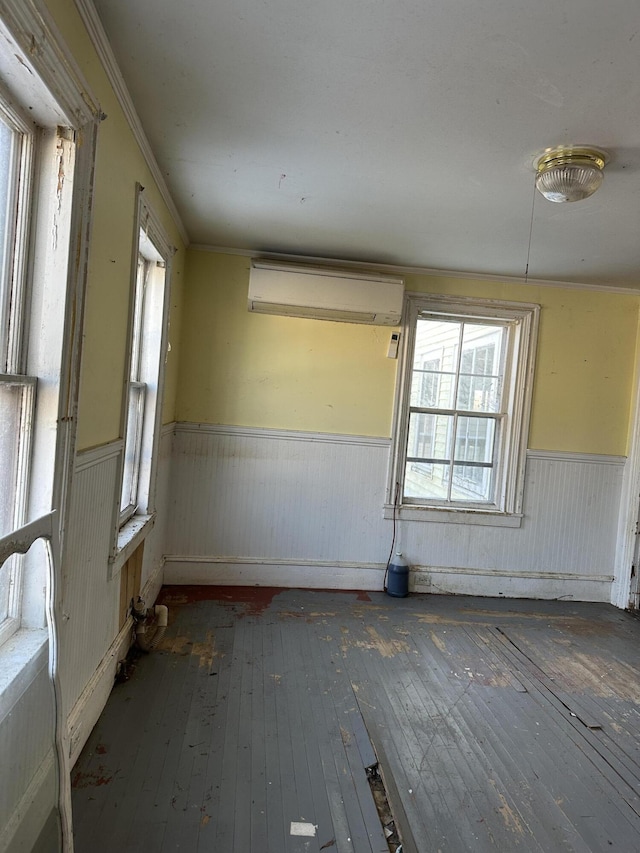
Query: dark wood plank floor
x: 498, y: 725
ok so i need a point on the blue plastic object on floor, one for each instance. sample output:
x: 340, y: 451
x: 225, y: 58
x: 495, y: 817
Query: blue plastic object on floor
x: 398, y: 577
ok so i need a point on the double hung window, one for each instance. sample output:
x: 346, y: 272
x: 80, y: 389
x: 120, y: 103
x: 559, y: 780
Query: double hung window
x: 45, y: 209
x: 147, y: 348
x: 136, y: 399
x: 462, y: 405
x: 17, y: 389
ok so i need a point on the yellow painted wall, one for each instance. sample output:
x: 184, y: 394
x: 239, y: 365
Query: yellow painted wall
x: 278, y: 372
x: 287, y: 373
x: 119, y: 166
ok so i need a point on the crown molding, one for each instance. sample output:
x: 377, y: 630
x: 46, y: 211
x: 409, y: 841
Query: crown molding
x: 397, y: 269
x: 100, y: 41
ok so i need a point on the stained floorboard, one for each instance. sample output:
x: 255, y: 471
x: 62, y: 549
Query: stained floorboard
x: 498, y: 725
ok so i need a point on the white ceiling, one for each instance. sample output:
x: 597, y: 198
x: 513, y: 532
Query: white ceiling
x: 392, y: 131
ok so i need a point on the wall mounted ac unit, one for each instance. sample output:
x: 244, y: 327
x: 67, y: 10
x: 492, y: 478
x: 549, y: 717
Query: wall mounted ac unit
x: 325, y: 294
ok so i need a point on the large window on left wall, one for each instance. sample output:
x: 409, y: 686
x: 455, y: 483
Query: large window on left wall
x: 17, y: 387
x: 48, y: 129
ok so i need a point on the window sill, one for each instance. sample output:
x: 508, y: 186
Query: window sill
x: 130, y: 536
x: 22, y: 657
x: 453, y: 516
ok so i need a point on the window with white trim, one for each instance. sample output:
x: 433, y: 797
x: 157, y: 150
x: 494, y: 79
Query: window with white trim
x: 17, y: 389
x: 462, y: 405
x: 147, y: 351
x: 45, y: 201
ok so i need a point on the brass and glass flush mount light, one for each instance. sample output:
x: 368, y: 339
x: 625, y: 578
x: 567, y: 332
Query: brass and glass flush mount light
x: 570, y: 173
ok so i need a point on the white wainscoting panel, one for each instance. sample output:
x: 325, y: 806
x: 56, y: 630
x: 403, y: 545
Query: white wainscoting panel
x: 564, y: 548
x: 26, y: 747
x: 253, y: 506
x: 93, y: 643
x: 90, y: 600
x: 154, y: 545
x: 267, y: 494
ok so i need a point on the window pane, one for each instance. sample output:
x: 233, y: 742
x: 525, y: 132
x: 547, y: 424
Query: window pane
x: 136, y: 340
x: 435, y: 356
x: 480, y: 382
x: 6, y: 576
x: 426, y: 481
x: 475, y: 440
x: 479, y: 394
x: 431, y: 388
x: 10, y: 592
x: 472, y: 484
x: 430, y: 436
x: 13, y: 445
x: 425, y: 384
x: 8, y: 177
x: 7, y: 136
x: 437, y: 339
x: 132, y: 446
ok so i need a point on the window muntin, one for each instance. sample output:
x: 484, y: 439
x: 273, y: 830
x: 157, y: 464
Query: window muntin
x: 462, y: 405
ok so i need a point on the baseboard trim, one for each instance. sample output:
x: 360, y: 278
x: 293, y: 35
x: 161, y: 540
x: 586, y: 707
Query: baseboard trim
x: 504, y: 573
x: 230, y: 571
x: 87, y: 710
x: 321, y: 574
x: 90, y: 704
x: 504, y: 584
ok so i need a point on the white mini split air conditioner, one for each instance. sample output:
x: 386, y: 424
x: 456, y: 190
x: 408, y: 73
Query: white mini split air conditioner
x: 325, y: 294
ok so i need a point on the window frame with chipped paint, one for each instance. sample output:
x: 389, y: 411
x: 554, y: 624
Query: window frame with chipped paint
x: 48, y: 102
x: 16, y: 426
x: 519, y: 322
x: 144, y: 380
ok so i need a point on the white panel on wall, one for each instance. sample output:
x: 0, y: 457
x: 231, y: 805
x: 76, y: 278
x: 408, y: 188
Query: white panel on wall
x: 90, y: 599
x: 91, y: 640
x: 269, y: 506
x: 569, y: 525
x: 154, y: 546
x: 267, y: 494
x: 26, y: 733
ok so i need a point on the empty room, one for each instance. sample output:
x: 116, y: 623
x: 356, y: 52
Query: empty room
x: 320, y: 426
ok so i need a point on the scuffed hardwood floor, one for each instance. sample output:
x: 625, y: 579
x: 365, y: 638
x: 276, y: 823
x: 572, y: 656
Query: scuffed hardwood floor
x: 499, y: 725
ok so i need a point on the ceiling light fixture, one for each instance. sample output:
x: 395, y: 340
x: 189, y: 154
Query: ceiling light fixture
x: 569, y: 173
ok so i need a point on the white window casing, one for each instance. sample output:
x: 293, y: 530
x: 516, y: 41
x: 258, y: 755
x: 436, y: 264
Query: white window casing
x: 144, y: 383
x: 459, y: 445
x: 51, y: 115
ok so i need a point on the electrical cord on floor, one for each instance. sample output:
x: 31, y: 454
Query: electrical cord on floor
x: 393, y: 540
